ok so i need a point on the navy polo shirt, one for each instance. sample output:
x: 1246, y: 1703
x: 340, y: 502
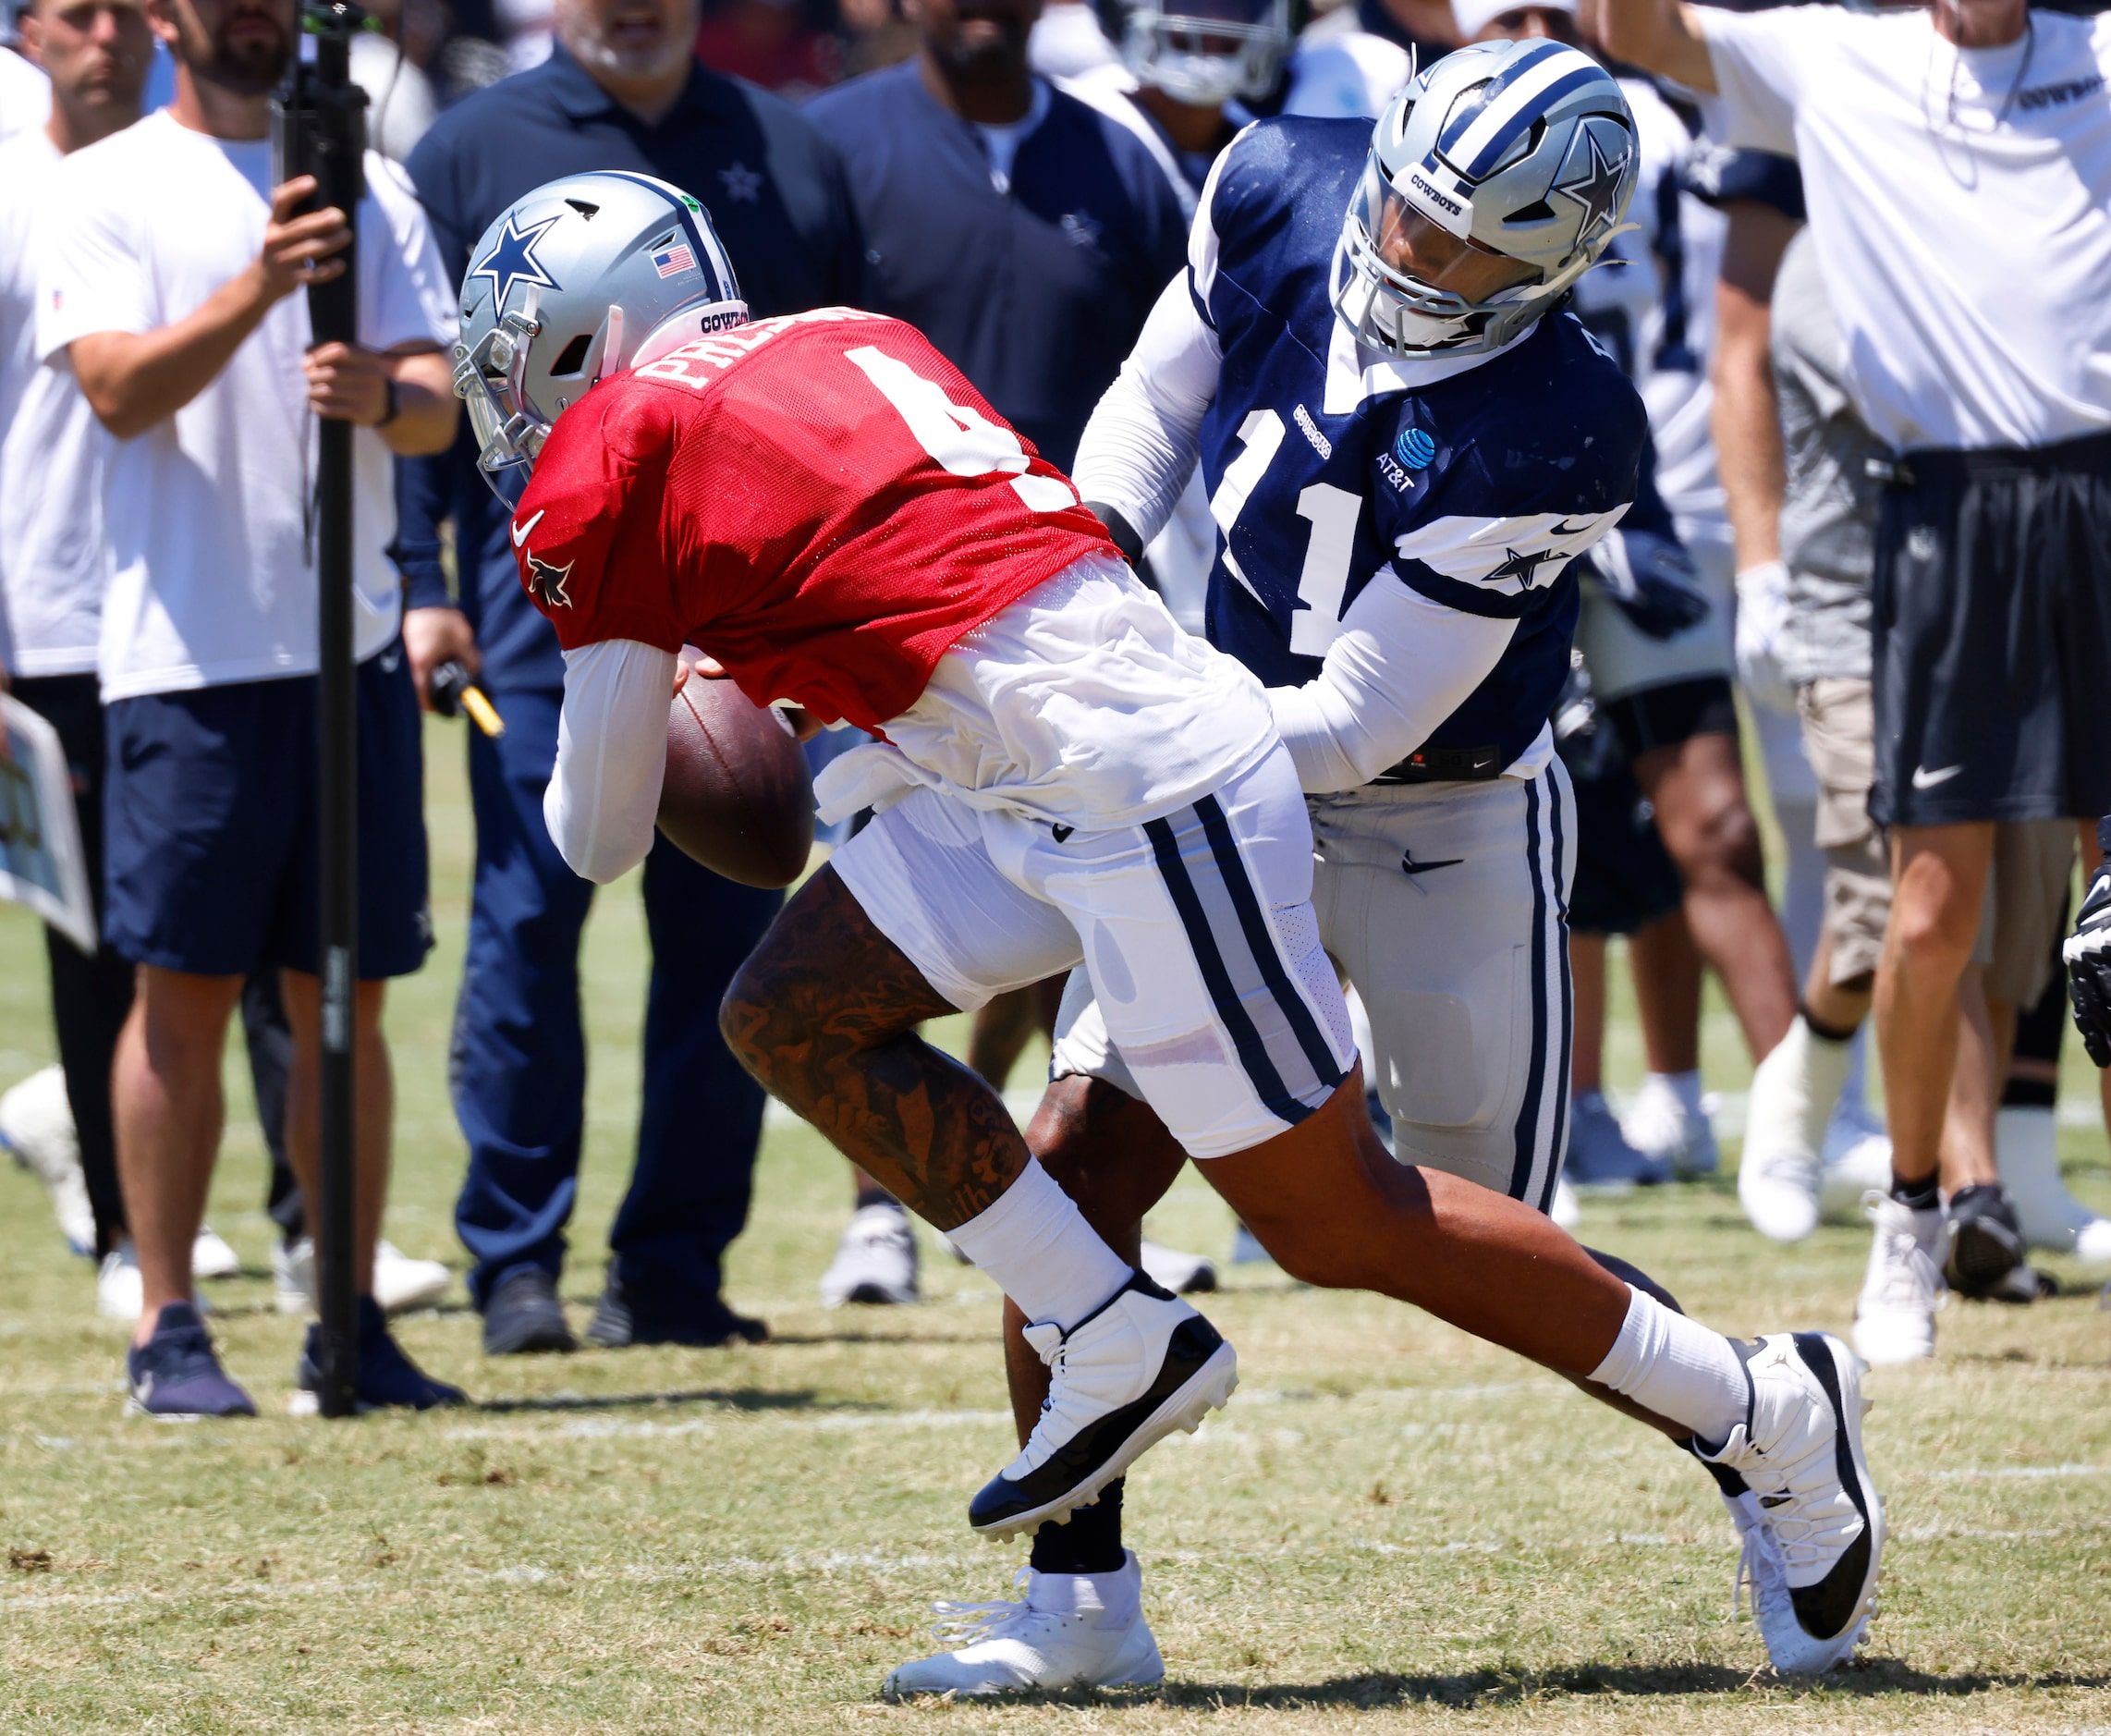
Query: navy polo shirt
x: 1037, y: 293
x: 777, y: 197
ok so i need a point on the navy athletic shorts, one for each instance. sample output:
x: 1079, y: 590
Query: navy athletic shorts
x: 1625, y: 878
x: 1991, y: 630
x: 210, y: 860
x: 1672, y: 713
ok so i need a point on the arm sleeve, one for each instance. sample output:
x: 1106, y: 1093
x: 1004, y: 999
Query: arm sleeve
x: 1401, y: 665
x: 425, y: 496
x: 1145, y: 435
x: 1762, y: 61
x: 612, y: 754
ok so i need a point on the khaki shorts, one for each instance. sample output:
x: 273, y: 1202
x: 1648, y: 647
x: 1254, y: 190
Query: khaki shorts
x: 2026, y: 891
x: 1839, y: 736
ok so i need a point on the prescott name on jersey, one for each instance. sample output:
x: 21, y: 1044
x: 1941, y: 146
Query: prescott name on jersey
x: 1474, y: 481
x: 822, y: 502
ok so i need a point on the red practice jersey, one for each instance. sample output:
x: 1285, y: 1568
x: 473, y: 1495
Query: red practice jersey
x: 822, y: 502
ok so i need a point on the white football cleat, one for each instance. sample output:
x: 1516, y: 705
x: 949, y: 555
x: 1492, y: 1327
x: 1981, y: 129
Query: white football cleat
x: 1183, y: 1274
x: 1859, y: 1165
x: 120, y: 1292
x: 212, y: 1257
x: 1894, y: 1317
x: 1814, y: 1567
x: 1658, y: 1124
x: 1069, y: 1630
x: 2027, y: 1143
x: 36, y: 1129
x: 401, y: 1283
x: 1139, y: 1366
x: 875, y: 1262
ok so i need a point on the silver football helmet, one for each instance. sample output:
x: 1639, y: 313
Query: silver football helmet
x: 1524, y: 149
x: 1207, y: 52
x: 582, y: 278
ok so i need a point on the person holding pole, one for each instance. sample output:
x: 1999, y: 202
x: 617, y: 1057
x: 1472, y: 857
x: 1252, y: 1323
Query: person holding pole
x: 168, y: 290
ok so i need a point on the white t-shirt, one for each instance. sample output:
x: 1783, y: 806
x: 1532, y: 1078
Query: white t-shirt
x: 25, y: 94
x: 51, y: 563
x: 211, y: 578
x: 1961, y: 201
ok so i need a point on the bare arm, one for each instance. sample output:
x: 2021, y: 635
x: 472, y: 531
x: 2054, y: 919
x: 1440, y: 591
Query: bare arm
x: 133, y: 380
x: 349, y: 384
x: 1660, y: 36
x: 1746, y: 417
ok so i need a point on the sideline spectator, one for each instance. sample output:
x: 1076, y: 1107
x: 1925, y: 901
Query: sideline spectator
x: 1027, y: 234
x: 621, y: 91
x: 171, y: 291
x: 25, y: 92
x: 1352, y: 60
x: 1957, y: 169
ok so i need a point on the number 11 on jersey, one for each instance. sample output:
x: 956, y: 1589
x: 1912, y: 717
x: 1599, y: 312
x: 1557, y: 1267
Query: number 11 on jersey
x: 1332, y: 512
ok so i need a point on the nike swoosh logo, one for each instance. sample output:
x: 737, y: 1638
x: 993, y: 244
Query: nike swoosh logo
x: 1061, y: 833
x: 1408, y: 865
x: 1925, y: 780
x: 522, y: 532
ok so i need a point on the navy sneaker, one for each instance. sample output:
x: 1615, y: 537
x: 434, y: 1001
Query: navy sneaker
x: 174, y: 1376
x: 1600, y: 1159
x: 624, y: 1317
x: 388, y: 1379
x: 523, y: 1315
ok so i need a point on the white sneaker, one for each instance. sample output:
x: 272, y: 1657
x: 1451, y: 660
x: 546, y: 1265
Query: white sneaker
x: 1777, y: 1175
x: 875, y: 1262
x: 1814, y: 1522
x: 2027, y: 1145
x: 1850, y: 1174
x: 401, y: 1283
x: 120, y: 1292
x: 1658, y: 1124
x: 36, y: 1128
x: 1069, y: 1630
x: 1183, y: 1274
x: 1567, y: 1210
x: 1894, y: 1317
x: 1139, y: 1366
x: 212, y: 1257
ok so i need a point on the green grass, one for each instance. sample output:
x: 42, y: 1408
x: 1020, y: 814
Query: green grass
x: 1391, y: 1527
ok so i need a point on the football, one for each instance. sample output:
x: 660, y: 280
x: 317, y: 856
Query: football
x: 736, y: 797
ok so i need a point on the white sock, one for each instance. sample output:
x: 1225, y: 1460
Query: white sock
x: 2026, y: 1145
x: 1037, y: 1246
x: 1679, y: 1368
x: 1805, y: 1074
x: 1685, y: 1087
x: 1110, y: 1598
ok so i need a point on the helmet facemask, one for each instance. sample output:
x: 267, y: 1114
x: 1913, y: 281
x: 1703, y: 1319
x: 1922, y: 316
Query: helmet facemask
x: 1208, y: 52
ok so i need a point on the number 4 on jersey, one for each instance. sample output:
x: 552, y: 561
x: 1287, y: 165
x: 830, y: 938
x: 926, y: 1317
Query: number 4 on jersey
x: 1332, y: 512
x: 960, y: 439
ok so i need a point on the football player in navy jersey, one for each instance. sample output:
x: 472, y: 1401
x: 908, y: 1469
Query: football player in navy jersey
x: 1406, y: 444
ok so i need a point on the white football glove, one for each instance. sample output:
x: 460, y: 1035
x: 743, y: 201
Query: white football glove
x: 1763, y: 613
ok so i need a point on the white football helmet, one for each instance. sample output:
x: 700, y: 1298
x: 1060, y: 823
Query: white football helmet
x: 584, y: 277
x: 1524, y: 149
x: 1206, y: 52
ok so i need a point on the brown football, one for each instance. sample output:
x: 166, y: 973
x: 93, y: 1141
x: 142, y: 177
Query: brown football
x: 737, y: 796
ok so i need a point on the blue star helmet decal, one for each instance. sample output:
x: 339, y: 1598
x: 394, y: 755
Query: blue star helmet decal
x: 512, y: 260
x: 1595, y: 184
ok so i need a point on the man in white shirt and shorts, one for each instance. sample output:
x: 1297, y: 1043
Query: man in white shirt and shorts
x: 170, y: 290
x: 1957, y: 169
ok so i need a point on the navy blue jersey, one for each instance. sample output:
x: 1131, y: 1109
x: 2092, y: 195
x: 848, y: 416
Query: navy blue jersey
x: 1475, y: 482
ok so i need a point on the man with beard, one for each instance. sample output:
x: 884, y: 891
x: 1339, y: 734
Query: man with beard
x: 620, y: 91
x: 169, y: 288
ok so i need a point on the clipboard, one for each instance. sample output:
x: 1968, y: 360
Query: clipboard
x: 41, y: 865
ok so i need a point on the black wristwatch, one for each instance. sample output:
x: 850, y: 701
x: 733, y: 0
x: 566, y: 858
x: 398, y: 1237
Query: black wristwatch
x: 395, y: 407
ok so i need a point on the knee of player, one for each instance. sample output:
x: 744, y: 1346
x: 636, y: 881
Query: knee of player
x: 743, y: 1015
x: 1723, y: 841
x: 1935, y: 928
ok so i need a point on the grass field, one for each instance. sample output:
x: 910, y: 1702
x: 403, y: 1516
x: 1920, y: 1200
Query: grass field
x: 1392, y: 1526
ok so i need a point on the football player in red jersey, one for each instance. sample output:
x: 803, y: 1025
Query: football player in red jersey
x: 824, y: 506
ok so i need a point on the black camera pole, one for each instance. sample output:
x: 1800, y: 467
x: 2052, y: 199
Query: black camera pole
x: 319, y: 129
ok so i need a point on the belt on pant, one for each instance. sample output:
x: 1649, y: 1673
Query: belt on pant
x: 1445, y: 765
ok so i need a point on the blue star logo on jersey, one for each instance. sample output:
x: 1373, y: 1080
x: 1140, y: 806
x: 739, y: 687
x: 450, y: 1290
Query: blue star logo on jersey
x: 1414, y: 449
x: 1595, y: 187
x: 512, y: 260
x: 1524, y: 568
